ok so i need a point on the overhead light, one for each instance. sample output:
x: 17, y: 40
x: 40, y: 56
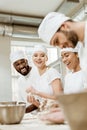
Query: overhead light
x: 73, y: 1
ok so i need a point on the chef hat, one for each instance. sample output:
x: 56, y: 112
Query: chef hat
x: 40, y: 48
x: 69, y: 50
x: 50, y: 24
x: 17, y: 55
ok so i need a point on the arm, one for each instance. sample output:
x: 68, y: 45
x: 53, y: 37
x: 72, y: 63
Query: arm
x: 31, y: 108
x: 56, y: 86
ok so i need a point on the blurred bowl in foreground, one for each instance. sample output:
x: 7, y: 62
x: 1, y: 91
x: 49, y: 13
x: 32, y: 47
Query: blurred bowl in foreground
x: 75, y: 109
x: 11, y: 112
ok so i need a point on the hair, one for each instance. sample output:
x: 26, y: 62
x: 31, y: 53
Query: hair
x: 70, y: 20
x: 71, y: 36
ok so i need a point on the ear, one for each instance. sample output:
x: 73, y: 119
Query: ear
x: 65, y: 26
x: 46, y: 58
x: 26, y: 60
x: 77, y: 55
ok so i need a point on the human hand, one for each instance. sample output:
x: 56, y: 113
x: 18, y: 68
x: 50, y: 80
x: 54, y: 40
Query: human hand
x: 53, y: 117
x: 28, y: 89
x: 31, y: 90
x: 57, y: 109
x: 31, y: 99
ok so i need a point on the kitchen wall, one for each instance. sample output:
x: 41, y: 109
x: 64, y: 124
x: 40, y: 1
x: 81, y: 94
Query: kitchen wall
x: 5, y: 69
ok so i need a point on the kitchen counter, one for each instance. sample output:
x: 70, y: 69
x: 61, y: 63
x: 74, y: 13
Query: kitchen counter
x: 32, y: 122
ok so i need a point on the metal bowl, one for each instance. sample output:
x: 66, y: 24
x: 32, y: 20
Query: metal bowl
x: 11, y: 112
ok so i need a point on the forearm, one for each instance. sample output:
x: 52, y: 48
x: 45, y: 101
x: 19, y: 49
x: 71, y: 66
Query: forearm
x: 45, y: 95
x: 31, y: 108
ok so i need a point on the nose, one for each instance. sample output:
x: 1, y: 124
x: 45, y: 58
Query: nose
x: 64, y: 60
x: 61, y: 46
x: 21, y: 65
x: 38, y: 58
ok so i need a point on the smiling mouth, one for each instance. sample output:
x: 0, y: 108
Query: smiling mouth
x: 39, y: 62
x: 23, y: 70
x: 68, y: 64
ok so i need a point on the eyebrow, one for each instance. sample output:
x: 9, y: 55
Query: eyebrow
x: 64, y: 53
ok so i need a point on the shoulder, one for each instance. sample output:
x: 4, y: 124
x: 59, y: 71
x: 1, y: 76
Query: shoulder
x: 53, y: 71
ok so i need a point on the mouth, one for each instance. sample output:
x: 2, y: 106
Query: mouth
x: 23, y: 70
x: 68, y: 64
x: 38, y: 62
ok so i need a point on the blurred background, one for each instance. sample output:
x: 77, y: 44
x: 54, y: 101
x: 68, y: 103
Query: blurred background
x: 19, y: 21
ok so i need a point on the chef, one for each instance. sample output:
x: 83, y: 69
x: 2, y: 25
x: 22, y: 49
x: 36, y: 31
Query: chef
x: 26, y: 76
x: 55, y: 22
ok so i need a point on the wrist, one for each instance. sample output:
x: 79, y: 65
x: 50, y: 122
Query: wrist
x: 37, y: 92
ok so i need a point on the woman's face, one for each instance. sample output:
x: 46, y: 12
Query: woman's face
x: 39, y: 59
x: 70, y: 59
x: 59, y: 39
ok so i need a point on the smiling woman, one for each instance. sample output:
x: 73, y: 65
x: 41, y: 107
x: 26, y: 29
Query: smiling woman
x: 28, y: 48
x: 75, y: 80
x: 47, y: 83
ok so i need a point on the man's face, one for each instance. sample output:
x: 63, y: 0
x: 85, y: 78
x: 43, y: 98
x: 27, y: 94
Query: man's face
x: 22, y: 66
x: 59, y: 39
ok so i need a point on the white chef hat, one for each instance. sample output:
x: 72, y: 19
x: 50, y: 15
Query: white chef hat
x: 17, y: 55
x: 50, y: 24
x: 40, y: 48
x: 69, y: 49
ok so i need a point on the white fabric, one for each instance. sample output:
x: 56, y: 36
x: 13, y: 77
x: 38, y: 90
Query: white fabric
x: 17, y: 55
x: 41, y: 48
x: 85, y: 38
x: 74, y: 82
x: 79, y: 47
x: 69, y: 50
x: 84, y: 53
x: 22, y: 86
x: 43, y: 82
x: 23, y: 83
x: 50, y: 24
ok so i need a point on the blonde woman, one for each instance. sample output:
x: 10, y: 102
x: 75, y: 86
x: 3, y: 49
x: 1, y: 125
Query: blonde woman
x: 47, y: 83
